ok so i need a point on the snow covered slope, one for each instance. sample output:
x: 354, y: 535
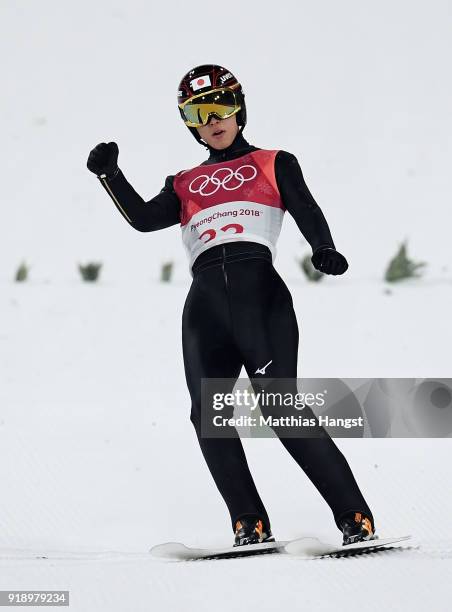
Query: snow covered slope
x: 100, y: 461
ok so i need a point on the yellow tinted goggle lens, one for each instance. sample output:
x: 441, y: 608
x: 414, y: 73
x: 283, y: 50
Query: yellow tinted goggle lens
x: 197, y: 111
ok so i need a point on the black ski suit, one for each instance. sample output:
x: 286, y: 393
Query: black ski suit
x: 239, y: 312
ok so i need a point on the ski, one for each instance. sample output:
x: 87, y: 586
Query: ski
x: 315, y: 548
x: 307, y: 547
x: 181, y: 552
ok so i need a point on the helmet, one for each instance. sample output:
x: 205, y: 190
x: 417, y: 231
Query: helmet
x: 205, y: 78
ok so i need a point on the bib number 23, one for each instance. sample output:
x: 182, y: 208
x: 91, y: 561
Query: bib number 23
x: 210, y: 234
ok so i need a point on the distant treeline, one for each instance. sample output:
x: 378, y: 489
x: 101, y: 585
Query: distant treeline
x: 399, y: 267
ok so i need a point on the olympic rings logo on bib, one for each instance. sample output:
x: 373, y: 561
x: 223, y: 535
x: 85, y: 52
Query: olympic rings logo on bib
x: 233, y: 179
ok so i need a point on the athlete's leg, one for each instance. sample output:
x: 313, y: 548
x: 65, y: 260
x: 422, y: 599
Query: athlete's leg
x: 209, y: 352
x: 266, y: 329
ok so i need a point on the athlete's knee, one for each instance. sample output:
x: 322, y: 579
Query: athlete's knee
x: 205, y: 416
x: 195, y: 415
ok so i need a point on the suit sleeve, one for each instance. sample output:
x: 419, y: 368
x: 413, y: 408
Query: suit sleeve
x: 299, y: 201
x: 161, y: 211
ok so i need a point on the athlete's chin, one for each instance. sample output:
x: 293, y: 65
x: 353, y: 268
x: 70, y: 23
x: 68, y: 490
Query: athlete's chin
x: 219, y: 146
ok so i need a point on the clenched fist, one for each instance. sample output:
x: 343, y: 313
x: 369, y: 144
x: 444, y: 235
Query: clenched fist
x: 103, y: 159
x: 329, y: 261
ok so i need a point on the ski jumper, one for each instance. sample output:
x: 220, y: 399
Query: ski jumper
x: 238, y: 311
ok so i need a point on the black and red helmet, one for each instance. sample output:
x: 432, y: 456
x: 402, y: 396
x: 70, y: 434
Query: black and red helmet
x: 205, y: 78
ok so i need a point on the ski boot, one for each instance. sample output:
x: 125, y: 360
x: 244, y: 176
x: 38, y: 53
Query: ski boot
x: 356, y: 527
x: 251, y: 530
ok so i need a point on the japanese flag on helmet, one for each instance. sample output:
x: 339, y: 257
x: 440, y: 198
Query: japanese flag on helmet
x: 200, y: 82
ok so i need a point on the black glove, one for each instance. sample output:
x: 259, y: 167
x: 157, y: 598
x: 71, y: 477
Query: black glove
x: 329, y: 261
x: 103, y: 159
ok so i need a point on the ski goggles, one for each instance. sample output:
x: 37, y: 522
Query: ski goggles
x: 196, y: 111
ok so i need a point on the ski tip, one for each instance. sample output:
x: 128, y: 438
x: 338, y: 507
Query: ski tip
x: 308, y: 545
x: 166, y: 550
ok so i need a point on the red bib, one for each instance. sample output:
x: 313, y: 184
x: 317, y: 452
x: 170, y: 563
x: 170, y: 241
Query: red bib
x: 230, y: 201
